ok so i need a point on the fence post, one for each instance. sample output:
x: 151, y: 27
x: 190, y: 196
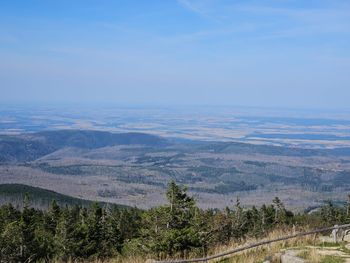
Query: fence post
x: 335, y: 234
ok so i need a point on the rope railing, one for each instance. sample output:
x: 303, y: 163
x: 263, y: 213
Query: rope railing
x: 261, y: 243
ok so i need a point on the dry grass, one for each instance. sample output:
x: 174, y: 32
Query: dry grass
x: 259, y: 254
x: 114, y: 260
x: 311, y: 255
x: 128, y: 260
x: 314, y: 256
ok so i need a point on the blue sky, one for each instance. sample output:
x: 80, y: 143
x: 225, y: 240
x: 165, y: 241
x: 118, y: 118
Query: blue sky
x: 279, y: 53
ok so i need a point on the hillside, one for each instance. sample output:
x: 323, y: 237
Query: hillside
x: 28, y: 147
x: 39, y: 197
x: 134, y: 168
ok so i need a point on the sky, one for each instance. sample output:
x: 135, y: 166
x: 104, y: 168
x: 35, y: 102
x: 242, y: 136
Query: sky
x: 268, y: 53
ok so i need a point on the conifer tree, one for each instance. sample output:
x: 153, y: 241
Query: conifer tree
x: 11, y: 243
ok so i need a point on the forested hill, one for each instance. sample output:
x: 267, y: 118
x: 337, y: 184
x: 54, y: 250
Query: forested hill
x: 40, y: 198
x: 134, y: 168
x: 28, y: 147
x: 96, y: 139
x: 31, y: 146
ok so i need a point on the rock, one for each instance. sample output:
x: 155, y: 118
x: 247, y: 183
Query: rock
x: 347, y: 238
x: 290, y: 257
x: 327, y: 239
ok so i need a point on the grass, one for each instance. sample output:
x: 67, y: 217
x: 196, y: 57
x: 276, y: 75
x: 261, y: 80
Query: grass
x: 332, y: 259
x: 305, y: 254
x: 314, y: 257
x: 311, y: 256
x: 330, y: 244
x: 273, y: 251
x: 344, y: 249
x: 266, y: 252
x: 114, y: 260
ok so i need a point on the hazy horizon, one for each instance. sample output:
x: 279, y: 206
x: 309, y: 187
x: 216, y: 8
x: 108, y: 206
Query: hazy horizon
x: 87, y: 105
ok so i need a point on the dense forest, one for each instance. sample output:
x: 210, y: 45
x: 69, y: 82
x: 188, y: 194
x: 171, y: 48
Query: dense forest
x: 41, y: 198
x: 177, y: 229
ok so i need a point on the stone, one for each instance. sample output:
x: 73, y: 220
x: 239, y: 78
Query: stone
x: 290, y: 257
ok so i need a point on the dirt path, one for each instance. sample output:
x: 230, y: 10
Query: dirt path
x: 314, y: 254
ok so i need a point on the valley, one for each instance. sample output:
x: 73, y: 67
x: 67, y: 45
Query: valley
x: 134, y: 169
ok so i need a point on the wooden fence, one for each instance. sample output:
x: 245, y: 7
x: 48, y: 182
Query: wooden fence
x: 334, y: 230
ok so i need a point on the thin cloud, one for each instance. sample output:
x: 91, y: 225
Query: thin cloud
x: 286, y: 22
x: 206, y: 34
x: 203, y: 8
x: 192, y: 7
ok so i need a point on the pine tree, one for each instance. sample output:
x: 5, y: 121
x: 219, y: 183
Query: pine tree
x: 29, y: 221
x: 239, y: 221
x: 11, y: 243
x: 173, y: 228
x: 52, y: 217
x: 330, y: 214
x: 280, y: 211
